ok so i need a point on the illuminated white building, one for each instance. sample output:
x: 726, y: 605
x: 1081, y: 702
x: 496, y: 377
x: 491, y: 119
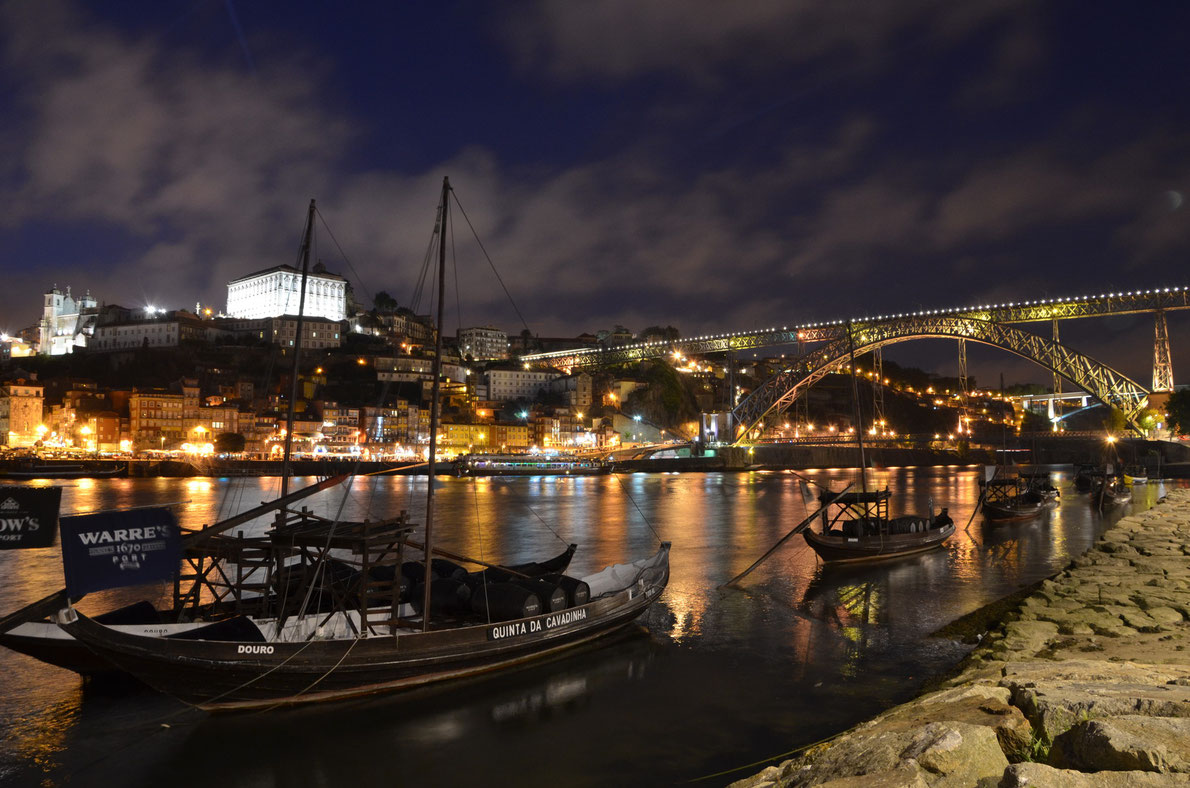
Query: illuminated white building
x: 483, y: 343
x: 505, y: 385
x: 66, y: 322
x: 276, y: 291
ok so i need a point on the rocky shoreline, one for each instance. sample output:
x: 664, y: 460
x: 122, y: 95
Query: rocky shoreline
x: 1087, y: 684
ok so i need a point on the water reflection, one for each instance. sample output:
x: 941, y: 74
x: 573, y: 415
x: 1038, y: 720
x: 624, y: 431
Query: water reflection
x: 716, y: 677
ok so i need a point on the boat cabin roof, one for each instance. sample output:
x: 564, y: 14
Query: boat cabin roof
x: 849, y: 498
x: 312, y: 531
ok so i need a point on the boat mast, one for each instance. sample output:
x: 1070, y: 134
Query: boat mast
x: 297, y: 347
x: 436, y: 373
x: 859, y: 423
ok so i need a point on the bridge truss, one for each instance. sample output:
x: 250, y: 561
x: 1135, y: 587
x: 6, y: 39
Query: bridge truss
x: 1049, y: 310
x: 779, y: 391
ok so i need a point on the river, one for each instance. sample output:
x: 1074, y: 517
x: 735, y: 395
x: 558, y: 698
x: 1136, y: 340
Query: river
x: 712, y: 680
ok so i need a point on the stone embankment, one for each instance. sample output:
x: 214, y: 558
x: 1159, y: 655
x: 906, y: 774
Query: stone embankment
x: 1087, y: 685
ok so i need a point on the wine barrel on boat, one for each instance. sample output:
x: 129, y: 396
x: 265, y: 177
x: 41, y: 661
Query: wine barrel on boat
x: 552, y: 595
x: 415, y: 571
x: 577, y: 592
x: 505, y: 602
x: 448, y: 596
x: 292, y: 584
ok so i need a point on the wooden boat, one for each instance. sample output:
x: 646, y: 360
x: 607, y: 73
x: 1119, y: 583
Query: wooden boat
x: 856, y: 527
x: 44, y: 640
x: 340, y: 620
x: 1009, y: 499
x: 1087, y: 476
x: 528, y: 465
x: 1039, y: 483
x: 1111, y: 491
x: 1135, y: 474
x: 288, y: 663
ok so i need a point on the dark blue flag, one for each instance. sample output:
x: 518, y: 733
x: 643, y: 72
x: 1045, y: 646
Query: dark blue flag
x: 114, y: 549
x: 28, y: 516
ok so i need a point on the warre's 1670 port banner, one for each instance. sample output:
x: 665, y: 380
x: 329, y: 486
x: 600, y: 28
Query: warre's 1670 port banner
x: 28, y: 516
x: 114, y: 549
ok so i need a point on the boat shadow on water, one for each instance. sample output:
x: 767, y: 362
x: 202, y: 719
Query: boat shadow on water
x: 415, y: 731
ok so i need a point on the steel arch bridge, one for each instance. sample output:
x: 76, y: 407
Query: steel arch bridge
x: 779, y: 391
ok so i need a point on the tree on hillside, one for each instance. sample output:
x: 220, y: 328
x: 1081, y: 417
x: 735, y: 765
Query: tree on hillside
x: 659, y: 334
x: 1177, y: 410
x: 383, y: 302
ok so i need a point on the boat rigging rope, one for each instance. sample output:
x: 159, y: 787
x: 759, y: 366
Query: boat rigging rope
x: 318, y: 680
x: 637, y: 507
x: 541, y: 519
x: 487, y: 607
x: 320, y: 569
x: 467, y: 219
x: 784, y: 755
x: 346, y: 261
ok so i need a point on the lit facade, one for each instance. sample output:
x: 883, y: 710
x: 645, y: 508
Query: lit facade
x: 505, y: 385
x: 340, y: 428
x: 155, y: 419
x: 317, y: 333
x: 276, y: 291
x: 483, y: 343
x: 66, y: 322
x: 21, y: 407
x: 169, y: 329
x: 460, y: 438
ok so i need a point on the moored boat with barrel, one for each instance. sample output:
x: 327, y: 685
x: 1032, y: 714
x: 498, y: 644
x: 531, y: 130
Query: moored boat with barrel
x: 856, y: 527
x: 1007, y: 499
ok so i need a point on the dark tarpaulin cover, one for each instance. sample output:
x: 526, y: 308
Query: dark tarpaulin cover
x: 28, y: 516
x: 114, y: 549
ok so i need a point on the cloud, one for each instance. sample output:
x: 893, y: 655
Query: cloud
x: 619, y: 39
x: 193, y: 172
x: 155, y: 143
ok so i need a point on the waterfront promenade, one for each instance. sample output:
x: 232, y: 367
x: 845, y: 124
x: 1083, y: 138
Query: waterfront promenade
x: 1086, y: 684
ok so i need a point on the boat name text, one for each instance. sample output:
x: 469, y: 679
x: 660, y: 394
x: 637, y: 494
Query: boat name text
x: 242, y: 649
x: 11, y: 528
x: 537, y: 625
x: 124, y: 535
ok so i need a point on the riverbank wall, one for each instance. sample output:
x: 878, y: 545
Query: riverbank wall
x: 1086, y: 684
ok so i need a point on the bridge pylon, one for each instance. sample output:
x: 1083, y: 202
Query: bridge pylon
x: 1162, y: 365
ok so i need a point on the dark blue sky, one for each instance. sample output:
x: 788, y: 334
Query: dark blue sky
x: 710, y: 165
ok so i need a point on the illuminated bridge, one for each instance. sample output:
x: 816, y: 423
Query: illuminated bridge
x: 990, y: 324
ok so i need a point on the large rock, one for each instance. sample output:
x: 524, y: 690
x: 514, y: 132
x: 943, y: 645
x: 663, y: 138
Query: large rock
x: 955, y: 754
x: 1024, y: 639
x: 907, y: 775
x: 1037, y: 775
x: 974, y: 705
x: 942, y: 754
x: 1151, y: 744
x: 1057, y: 695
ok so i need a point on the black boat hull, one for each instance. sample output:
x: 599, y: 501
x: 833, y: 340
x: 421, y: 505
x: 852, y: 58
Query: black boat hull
x: 45, y: 641
x: 1013, y: 512
x: 878, y: 547
x: 223, y: 675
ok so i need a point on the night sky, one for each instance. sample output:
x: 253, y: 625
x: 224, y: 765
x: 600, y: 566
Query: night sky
x: 707, y: 164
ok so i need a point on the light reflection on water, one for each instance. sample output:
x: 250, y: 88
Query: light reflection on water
x: 716, y: 678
